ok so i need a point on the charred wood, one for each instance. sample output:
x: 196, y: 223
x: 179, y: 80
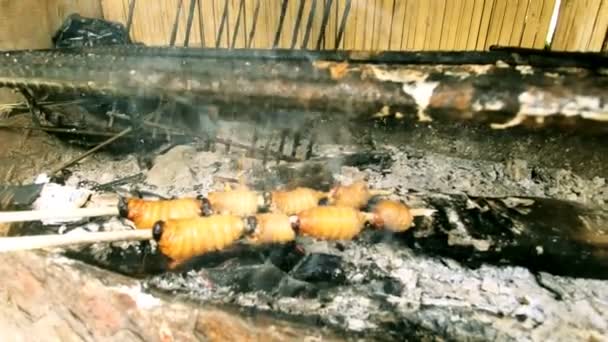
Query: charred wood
x: 549, y: 235
x: 509, y: 55
x: 498, y: 94
x: 52, y: 298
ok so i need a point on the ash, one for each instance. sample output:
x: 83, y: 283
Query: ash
x: 376, y: 286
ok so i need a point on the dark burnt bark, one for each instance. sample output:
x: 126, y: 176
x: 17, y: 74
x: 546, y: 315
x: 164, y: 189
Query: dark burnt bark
x: 556, y: 236
x: 485, y: 89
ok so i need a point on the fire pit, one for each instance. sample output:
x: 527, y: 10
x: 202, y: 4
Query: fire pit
x: 514, y: 246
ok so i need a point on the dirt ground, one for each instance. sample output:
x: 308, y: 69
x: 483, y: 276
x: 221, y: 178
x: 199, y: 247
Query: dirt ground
x: 28, y: 153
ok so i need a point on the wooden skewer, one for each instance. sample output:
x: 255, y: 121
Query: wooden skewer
x: 422, y: 212
x: 22, y: 243
x: 380, y: 192
x: 49, y: 214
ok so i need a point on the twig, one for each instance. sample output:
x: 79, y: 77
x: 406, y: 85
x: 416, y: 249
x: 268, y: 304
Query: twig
x: 422, y: 212
x: 58, y: 130
x: 32, y: 105
x: 21, y: 243
x: 91, y: 151
x: 125, y: 180
x: 100, y: 146
x: 23, y: 105
x: 49, y: 214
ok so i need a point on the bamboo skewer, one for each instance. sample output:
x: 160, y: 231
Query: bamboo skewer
x: 50, y: 214
x: 22, y: 243
x: 380, y: 192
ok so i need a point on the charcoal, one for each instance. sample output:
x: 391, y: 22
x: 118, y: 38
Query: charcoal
x: 285, y: 257
x: 136, y: 259
x: 561, y: 237
x: 233, y: 257
x: 290, y: 287
x: 320, y: 268
x: 264, y: 277
x: 21, y: 195
x: 391, y: 286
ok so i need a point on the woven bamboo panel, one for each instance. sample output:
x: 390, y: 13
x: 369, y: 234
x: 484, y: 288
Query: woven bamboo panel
x: 28, y: 24
x: 581, y: 26
x: 403, y: 25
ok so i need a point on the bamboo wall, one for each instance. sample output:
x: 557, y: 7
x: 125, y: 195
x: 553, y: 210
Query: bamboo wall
x: 371, y: 25
x: 30, y: 24
x: 374, y: 24
x: 582, y: 25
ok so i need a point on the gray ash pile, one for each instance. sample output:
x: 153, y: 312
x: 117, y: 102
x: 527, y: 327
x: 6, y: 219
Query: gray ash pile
x: 488, y: 264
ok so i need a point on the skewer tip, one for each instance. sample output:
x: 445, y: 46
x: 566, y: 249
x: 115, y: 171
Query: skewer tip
x: 157, y: 230
x: 422, y: 212
x: 123, y: 207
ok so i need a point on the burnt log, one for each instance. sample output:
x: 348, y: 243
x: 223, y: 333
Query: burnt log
x: 501, y: 94
x: 52, y: 298
x: 544, y: 235
x: 375, y: 287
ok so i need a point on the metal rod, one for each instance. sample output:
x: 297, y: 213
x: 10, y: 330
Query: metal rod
x: 311, y: 144
x: 238, y: 24
x: 277, y: 35
x: 343, y: 23
x: 254, y: 142
x: 201, y: 25
x: 176, y: 23
x: 130, y: 15
x: 296, y: 28
x: 296, y: 143
x: 226, y: 142
x: 245, y: 23
x: 189, y: 23
x: 311, y: 18
x: 220, y: 32
x: 109, y: 185
x: 282, y: 141
x: 31, y: 105
x: 22, y: 243
x: 390, y: 34
x: 326, y: 13
x: 256, y: 14
x: 266, y: 150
